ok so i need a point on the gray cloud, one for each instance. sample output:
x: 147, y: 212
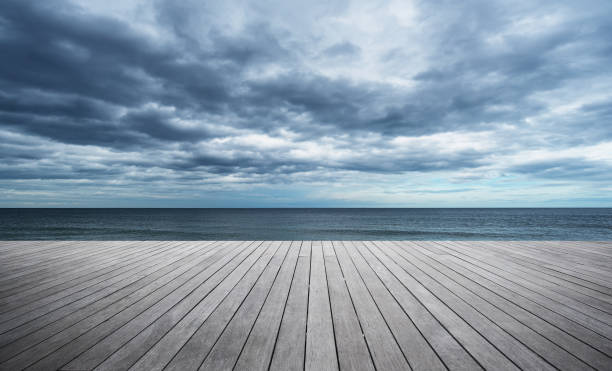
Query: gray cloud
x: 260, y: 94
x: 342, y: 49
x: 567, y: 168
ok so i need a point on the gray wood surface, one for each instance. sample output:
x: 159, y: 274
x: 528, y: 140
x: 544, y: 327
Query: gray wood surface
x: 353, y: 352
x: 320, y: 342
x: 290, y: 348
x: 385, y: 351
x: 417, y: 351
x: 297, y: 305
x: 257, y: 352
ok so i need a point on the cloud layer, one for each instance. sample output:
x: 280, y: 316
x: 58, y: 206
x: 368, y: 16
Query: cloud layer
x: 276, y: 103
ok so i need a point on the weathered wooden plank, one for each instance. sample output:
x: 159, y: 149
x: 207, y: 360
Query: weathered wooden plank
x: 45, y: 294
x: 224, y: 354
x: 9, y: 248
x: 599, y: 247
x: 566, y: 324
x: 521, y: 355
x: 290, y: 347
x: 353, y: 352
x: 34, y: 308
x: 473, y: 341
x: 219, y: 340
x: 305, y: 249
x: 569, y: 343
x: 320, y: 343
x: 193, y: 353
x: 417, y: 351
x: 564, y: 280
x: 55, y: 320
x: 122, y: 348
x: 45, y: 252
x: 257, y: 351
x: 556, y: 253
x: 39, y: 255
x: 218, y: 306
x: 501, y: 314
x: 66, y: 279
x: 538, y: 261
x: 452, y: 353
x: 14, y: 265
x: 549, y: 257
x: 41, y: 250
x: 576, y: 250
x: 90, y: 330
x: 77, y: 260
x: 535, y: 283
x: 112, y: 305
x: 536, y: 296
x: 560, y: 250
x: 383, y: 346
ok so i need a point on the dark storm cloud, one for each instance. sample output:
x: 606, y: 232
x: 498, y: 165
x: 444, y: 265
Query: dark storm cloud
x: 340, y: 104
x: 89, y: 67
x: 61, y: 52
x: 566, y: 168
x: 105, y: 60
x: 102, y: 59
x: 457, y: 93
x: 68, y: 119
x: 257, y: 45
x: 159, y: 125
x: 247, y: 93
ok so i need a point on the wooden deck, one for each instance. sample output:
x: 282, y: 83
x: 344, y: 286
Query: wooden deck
x: 297, y: 305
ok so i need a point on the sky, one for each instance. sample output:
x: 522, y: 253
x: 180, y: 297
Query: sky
x: 131, y: 103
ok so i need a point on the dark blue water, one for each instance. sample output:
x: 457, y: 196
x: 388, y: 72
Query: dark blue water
x: 309, y: 224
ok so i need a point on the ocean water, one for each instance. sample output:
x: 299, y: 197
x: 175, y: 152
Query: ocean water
x: 307, y: 224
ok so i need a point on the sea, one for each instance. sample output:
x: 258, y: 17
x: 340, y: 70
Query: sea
x: 307, y: 224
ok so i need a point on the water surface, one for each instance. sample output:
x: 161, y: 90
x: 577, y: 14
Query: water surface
x: 307, y: 224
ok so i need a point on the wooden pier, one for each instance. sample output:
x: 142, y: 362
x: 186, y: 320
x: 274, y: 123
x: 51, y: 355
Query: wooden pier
x: 314, y: 305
